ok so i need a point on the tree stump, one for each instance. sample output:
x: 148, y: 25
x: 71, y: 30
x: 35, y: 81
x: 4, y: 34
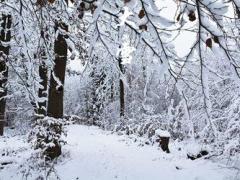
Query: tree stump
x: 163, y: 138
x: 53, y: 152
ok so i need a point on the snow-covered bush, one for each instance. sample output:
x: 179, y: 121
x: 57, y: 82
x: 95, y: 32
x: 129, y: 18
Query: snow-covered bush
x: 46, y: 135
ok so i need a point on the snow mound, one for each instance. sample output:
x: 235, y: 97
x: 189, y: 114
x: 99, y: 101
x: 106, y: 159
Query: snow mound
x: 162, y: 133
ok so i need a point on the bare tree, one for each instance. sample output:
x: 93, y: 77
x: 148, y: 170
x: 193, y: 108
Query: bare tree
x: 5, y: 38
x: 121, y: 88
x: 43, y: 73
x: 56, y: 87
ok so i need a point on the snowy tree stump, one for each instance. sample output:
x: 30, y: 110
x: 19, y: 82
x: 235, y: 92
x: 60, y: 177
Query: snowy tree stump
x: 163, y: 138
x: 53, y: 152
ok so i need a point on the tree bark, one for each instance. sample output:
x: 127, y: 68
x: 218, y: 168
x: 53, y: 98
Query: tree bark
x: 121, y: 91
x: 55, y: 97
x: 56, y: 87
x: 43, y: 74
x: 42, y: 92
x: 5, y: 37
x: 237, y: 11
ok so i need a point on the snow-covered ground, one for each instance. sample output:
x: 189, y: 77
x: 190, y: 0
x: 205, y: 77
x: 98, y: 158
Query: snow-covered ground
x: 14, y: 152
x: 94, y: 154
x: 100, y: 155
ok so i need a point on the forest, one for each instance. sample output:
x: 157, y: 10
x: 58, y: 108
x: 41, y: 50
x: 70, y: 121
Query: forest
x: 119, y: 89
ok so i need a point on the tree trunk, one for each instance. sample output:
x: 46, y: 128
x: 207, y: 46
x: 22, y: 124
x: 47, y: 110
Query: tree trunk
x: 237, y: 11
x: 122, y: 103
x: 5, y: 37
x: 43, y: 74
x: 121, y: 90
x: 55, y: 97
x: 56, y: 86
x: 42, y: 92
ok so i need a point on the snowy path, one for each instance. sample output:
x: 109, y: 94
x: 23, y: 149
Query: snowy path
x: 98, y: 155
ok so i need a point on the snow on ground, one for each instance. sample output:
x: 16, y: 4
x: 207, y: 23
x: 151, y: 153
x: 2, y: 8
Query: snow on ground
x: 13, y: 152
x: 100, y: 155
x: 94, y: 154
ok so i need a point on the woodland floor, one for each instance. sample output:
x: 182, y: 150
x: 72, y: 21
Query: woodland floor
x: 94, y: 154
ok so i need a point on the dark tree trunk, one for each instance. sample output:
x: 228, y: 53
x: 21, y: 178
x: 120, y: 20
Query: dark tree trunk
x: 112, y: 90
x: 43, y: 74
x: 121, y: 90
x: 56, y: 86
x: 42, y: 92
x: 5, y: 37
x: 237, y: 11
x: 122, y: 103
x: 55, y: 97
